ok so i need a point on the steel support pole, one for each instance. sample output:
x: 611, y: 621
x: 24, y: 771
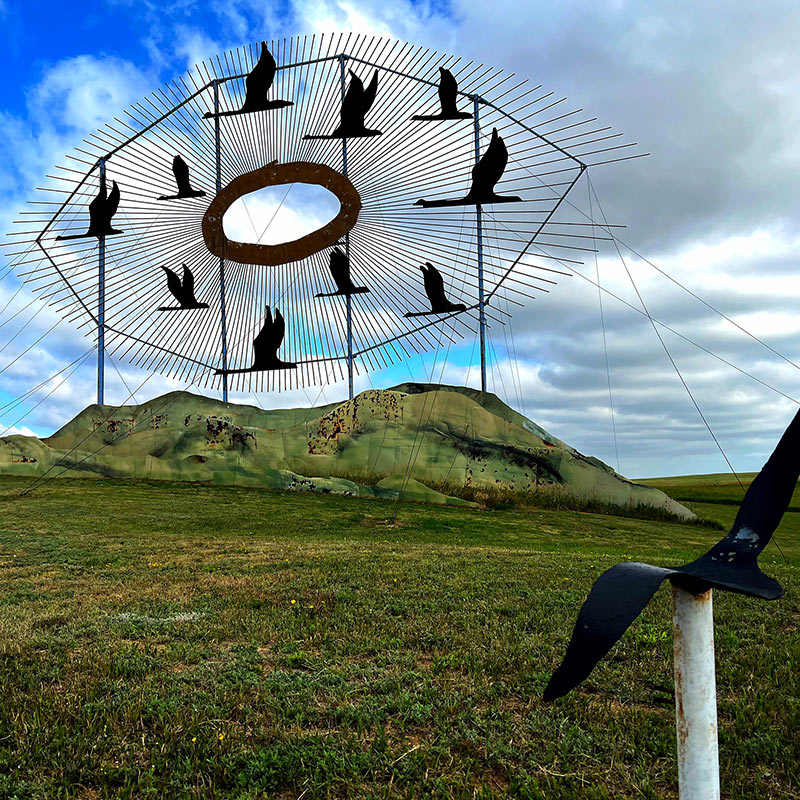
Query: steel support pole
x: 695, y: 695
x: 479, y: 235
x: 349, y: 298
x: 224, y: 318
x: 101, y: 303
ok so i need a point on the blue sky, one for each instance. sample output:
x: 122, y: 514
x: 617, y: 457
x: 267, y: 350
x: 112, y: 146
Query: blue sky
x: 710, y: 90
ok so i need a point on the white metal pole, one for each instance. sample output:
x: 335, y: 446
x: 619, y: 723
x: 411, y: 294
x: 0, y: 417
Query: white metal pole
x: 695, y: 695
x: 223, y: 310
x: 349, y: 298
x: 101, y: 305
x: 479, y: 235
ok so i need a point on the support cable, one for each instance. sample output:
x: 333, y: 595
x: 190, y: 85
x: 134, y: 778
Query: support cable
x: 663, y: 343
x: 21, y: 398
x: 677, y: 333
x: 618, y: 241
x: 40, y: 479
x: 80, y: 361
x: 666, y: 350
x: 602, y: 322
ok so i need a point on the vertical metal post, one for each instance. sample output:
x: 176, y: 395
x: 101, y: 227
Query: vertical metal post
x: 479, y: 233
x: 695, y: 695
x: 218, y: 164
x: 101, y: 303
x: 349, y: 298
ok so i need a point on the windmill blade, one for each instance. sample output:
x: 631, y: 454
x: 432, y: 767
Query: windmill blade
x: 770, y: 493
x: 618, y: 596
x: 732, y: 563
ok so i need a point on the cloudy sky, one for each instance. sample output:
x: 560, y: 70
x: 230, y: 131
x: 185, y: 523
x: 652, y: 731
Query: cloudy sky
x: 709, y: 89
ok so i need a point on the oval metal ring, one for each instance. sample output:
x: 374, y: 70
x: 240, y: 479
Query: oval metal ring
x: 270, y: 255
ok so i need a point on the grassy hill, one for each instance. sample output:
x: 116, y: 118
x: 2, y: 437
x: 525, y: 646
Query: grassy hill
x: 453, y: 441
x: 189, y: 640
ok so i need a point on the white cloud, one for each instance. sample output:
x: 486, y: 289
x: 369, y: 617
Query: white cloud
x: 84, y: 92
x: 15, y: 431
x: 708, y: 88
x: 279, y: 214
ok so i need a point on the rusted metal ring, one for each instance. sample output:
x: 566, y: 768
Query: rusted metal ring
x: 270, y: 255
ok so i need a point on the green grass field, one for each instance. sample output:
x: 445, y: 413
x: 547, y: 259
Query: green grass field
x: 167, y: 640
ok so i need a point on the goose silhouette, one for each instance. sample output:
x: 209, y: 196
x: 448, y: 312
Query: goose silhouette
x: 101, y: 211
x: 485, y: 174
x: 257, y: 84
x: 434, y: 288
x: 355, y: 105
x: 340, y: 271
x: 620, y: 594
x: 448, y: 93
x: 180, y: 169
x: 265, y: 347
x: 182, y: 291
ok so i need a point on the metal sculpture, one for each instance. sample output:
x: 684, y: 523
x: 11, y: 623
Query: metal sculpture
x: 258, y: 82
x: 356, y: 104
x: 182, y: 291
x: 434, y: 289
x: 266, y: 346
x: 101, y: 212
x: 340, y: 272
x: 180, y: 169
x: 448, y: 100
x: 496, y: 257
x: 485, y: 175
x: 274, y: 174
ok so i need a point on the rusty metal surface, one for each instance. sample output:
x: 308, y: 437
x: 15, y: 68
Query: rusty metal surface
x: 695, y: 695
x: 270, y: 255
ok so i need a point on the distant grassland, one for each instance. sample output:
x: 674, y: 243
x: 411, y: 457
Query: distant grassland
x: 178, y: 640
x: 715, y: 488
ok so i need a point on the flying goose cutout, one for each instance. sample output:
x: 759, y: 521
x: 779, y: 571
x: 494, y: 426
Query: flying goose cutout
x: 448, y: 94
x: 182, y: 290
x: 257, y: 85
x: 434, y: 288
x: 265, y: 347
x: 101, y: 212
x: 355, y: 105
x: 340, y: 272
x: 620, y: 594
x: 180, y: 169
x: 485, y: 174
